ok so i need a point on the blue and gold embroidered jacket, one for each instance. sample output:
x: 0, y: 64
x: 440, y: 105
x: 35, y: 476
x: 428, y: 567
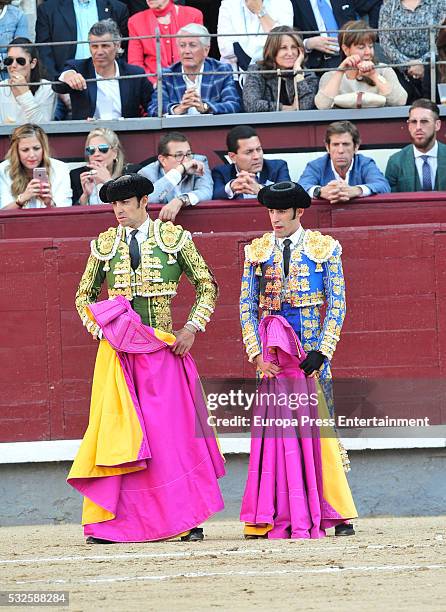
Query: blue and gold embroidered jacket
x: 315, y: 277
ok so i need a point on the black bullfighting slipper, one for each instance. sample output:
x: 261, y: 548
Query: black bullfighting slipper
x: 251, y: 536
x: 344, y: 530
x: 92, y: 540
x: 195, y: 535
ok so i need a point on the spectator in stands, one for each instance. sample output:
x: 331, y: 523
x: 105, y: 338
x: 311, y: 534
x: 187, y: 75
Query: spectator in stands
x: 20, y: 185
x: 68, y: 20
x: 359, y: 81
x: 342, y: 173
x: 13, y: 24
x: 168, y: 18
x: 104, y: 99
x: 420, y: 166
x: 290, y: 88
x: 408, y: 43
x: 20, y: 103
x: 441, y: 49
x: 105, y: 160
x: 189, y: 93
x: 325, y: 17
x: 248, y: 171
x: 135, y: 6
x: 179, y: 177
x: 369, y: 10
x: 254, y: 17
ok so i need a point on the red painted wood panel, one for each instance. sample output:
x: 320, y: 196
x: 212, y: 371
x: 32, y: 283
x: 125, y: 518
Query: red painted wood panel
x: 390, y: 358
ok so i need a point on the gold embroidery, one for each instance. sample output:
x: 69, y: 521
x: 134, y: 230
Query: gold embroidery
x: 319, y: 248
x: 260, y: 249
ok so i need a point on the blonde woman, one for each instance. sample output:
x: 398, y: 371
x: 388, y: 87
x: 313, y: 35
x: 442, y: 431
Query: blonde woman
x: 105, y: 160
x: 19, y: 187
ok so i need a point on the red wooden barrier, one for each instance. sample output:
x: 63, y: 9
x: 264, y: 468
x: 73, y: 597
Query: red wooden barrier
x: 395, y: 328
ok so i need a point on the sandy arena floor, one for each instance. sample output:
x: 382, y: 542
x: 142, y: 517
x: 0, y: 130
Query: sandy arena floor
x: 392, y: 564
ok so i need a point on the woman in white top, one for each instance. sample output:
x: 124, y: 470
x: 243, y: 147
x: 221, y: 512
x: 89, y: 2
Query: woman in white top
x: 21, y: 103
x: 29, y: 150
x: 104, y: 158
x: 255, y: 17
x: 358, y: 71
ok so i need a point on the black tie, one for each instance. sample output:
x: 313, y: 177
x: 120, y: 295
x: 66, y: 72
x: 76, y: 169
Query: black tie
x: 134, y: 250
x: 286, y: 256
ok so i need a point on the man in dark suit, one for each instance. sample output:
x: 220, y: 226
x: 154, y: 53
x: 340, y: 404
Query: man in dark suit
x: 249, y: 171
x: 326, y: 17
x: 108, y: 97
x: 57, y: 22
x: 342, y: 174
x: 421, y: 166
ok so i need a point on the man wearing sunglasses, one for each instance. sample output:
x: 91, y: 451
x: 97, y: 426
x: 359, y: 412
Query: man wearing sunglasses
x: 95, y: 89
x: 179, y: 177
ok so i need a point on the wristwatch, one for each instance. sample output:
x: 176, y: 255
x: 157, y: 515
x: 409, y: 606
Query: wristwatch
x: 317, y: 192
x: 185, y: 199
x: 261, y: 13
x: 205, y: 108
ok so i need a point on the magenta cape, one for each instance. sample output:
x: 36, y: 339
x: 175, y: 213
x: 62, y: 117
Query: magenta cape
x: 296, y: 485
x: 149, y: 462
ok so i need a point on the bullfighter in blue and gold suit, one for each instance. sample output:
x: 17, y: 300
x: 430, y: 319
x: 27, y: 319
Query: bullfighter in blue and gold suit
x: 292, y: 272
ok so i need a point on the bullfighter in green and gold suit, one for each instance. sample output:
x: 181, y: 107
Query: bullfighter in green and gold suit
x: 165, y: 252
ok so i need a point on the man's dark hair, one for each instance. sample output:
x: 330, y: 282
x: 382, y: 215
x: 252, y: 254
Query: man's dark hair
x: 343, y: 127
x: 428, y: 105
x: 105, y: 26
x: 163, y: 144
x: 239, y: 132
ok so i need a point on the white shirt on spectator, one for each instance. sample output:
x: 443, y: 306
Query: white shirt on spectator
x: 193, y: 85
x: 108, y: 99
x: 59, y: 180
x: 432, y: 161
x: 235, y: 18
x: 245, y: 196
x: 27, y: 108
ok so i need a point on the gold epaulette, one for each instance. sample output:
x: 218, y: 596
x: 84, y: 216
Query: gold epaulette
x: 169, y: 237
x: 106, y: 244
x: 260, y: 249
x: 319, y: 247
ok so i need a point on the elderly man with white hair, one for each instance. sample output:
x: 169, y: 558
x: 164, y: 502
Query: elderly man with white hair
x: 197, y: 84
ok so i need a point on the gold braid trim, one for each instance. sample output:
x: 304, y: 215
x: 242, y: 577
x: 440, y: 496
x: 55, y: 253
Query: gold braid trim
x: 319, y: 247
x: 106, y: 245
x: 260, y: 249
x: 169, y: 237
x: 87, y: 293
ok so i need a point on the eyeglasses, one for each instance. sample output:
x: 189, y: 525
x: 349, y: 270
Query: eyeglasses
x: 180, y: 156
x: 8, y: 61
x: 102, y: 148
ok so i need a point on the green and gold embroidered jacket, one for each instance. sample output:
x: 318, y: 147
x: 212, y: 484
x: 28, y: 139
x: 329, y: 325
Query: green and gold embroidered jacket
x: 315, y: 277
x: 165, y: 255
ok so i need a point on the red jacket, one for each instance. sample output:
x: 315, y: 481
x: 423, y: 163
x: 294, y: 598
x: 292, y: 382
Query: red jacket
x: 143, y: 52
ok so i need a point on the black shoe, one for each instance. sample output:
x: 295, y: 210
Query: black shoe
x: 344, y: 530
x: 195, y: 535
x: 92, y: 540
x: 250, y: 536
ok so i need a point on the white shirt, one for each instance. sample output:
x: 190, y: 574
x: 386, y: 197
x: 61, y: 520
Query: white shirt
x: 27, y: 108
x: 141, y: 235
x: 295, y: 239
x: 59, y: 180
x: 235, y: 18
x: 175, y: 177
x: 365, y: 191
x: 108, y: 99
x: 432, y: 161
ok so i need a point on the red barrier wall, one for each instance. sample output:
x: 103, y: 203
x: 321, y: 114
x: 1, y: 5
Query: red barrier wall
x: 395, y: 327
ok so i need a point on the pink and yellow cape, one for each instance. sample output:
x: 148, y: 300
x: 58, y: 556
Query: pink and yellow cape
x: 296, y: 485
x: 149, y: 462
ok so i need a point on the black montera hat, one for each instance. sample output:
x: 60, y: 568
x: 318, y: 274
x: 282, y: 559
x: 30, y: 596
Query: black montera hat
x: 126, y: 186
x: 284, y: 195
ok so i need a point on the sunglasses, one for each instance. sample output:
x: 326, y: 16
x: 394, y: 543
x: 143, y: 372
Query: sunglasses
x: 8, y: 61
x: 102, y: 148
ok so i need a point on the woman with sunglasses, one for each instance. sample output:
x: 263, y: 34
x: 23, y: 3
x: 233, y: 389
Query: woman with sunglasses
x: 105, y: 161
x: 20, y: 187
x: 13, y: 23
x: 21, y: 103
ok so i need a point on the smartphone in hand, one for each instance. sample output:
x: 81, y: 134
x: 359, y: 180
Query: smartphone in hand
x: 41, y: 175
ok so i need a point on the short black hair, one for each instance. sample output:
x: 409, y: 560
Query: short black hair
x: 239, y: 132
x: 167, y: 138
x: 427, y: 104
